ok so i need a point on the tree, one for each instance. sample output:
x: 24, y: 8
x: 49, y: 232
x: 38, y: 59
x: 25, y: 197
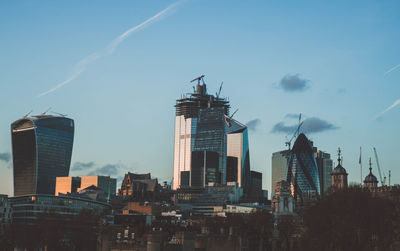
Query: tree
x: 352, y: 219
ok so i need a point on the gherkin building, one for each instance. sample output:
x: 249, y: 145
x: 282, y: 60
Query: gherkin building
x: 302, y: 172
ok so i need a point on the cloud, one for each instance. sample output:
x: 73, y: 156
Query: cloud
x: 314, y: 125
x: 292, y: 115
x: 109, y: 169
x: 310, y: 125
x: 79, y: 166
x: 6, y: 157
x: 253, y: 124
x: 341, y: 91
x: 391, y: 69
x: 82, y: 64
x: 294, y: 83
x: 396, y: 103
x: 282, y: 128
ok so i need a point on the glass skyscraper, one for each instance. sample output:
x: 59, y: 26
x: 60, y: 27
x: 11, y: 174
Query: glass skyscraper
x: 42, y: 149
x: 303, y: 170
x: 209, y: 146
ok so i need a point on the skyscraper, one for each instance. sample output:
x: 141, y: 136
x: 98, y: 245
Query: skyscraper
x: 325, y: 164
x: 42, y: 148
x: 209, y: 146
x: 303, y: 170
x: 279, y: 165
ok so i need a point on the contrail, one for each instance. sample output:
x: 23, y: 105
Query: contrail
x: 396, y: 103
x: 391, y: 69
x: 81, y: 65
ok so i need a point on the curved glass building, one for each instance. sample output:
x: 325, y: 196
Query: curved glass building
x: 42, y: 148
x: 303, y: 170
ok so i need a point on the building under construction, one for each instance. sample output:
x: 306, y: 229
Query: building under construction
x: 201, y: 146
x: 190, y: 105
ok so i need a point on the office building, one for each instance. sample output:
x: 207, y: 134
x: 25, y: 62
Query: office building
x: 279, y: 165
x: 303, y: 171
x: 105, y: 183
x: 238, y: 155
x: 42, y: 148
x: 186, y: 119
x: 325, y: 164
x: 28, y: 209
x: 255, y: 188
x: 209, y: 147
x: 5, y: 213
x: 65, y: 185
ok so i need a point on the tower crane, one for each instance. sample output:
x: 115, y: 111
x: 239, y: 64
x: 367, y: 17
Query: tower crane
x: 219, y: 92
x: 383, y: 181
x: 296, y: 133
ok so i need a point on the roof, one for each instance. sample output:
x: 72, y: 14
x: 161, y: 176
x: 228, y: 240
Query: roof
x: 370, y: 178
x: 339, y: 170
x: 302, y: 144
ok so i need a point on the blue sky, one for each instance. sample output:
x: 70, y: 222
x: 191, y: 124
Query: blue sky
x: 123, y: 102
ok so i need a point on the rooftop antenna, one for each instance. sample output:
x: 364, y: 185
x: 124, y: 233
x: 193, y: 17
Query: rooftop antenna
x: 28, y: 114
x: 46, y: 111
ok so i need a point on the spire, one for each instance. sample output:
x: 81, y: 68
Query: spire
x: 339, y: 159
x: 370, y: 166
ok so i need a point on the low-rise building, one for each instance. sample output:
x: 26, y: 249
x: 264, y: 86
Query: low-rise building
x: 66, y: 185
x: 28, y: 208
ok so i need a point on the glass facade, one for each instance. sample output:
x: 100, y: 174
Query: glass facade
x: 303, y: 170
x: 42, y: 149
x: 205, y: 137
x: 279, y: 165
x: 29, y: 207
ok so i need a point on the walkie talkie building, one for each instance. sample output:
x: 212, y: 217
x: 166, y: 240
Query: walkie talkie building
x: 42, y: 149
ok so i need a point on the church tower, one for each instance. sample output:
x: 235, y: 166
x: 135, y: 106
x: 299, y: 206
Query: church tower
x: 339, y: 175
x: 370, y: 182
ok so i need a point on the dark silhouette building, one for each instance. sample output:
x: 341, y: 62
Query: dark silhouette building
x: 42, y: 148
x: 370, y: 181
x: 339, y: 175
x: 139, y: 187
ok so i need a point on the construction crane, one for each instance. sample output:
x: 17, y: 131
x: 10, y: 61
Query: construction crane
x: 379, y: 168
x: 198, y: 79
x: 46, y: 111
x: 28, y: 114
x: 219, y: 92
x: 296, y: 133
x: 228, y: 119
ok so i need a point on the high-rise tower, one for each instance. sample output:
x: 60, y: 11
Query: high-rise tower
x: 303, y: 170
x: 209, y: 146
x: 42, y: 148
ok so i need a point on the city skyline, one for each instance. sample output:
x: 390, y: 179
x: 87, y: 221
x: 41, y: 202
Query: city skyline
x: 341, y: 78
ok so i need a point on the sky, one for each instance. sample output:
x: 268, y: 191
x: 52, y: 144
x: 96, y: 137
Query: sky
x: 118, y: 67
